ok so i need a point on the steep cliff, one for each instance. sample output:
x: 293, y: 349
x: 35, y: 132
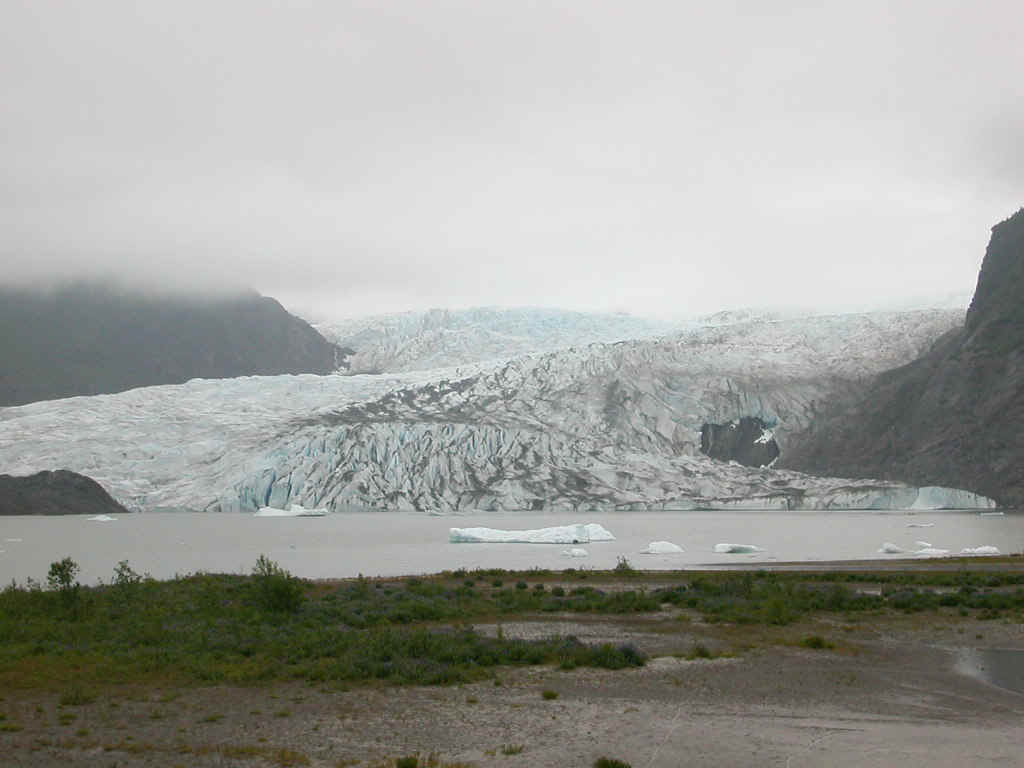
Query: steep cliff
x: 87, y: 340
x: 954, y: 416
x: 55, y: 493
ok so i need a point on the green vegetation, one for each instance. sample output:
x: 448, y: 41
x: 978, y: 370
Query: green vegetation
x: 512, y: 749
x: 548, y: 695
x: 607, y: 762
x: 270, y: 625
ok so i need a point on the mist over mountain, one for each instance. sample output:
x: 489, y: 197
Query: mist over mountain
x: 91, y: 338
x: 954, y: 416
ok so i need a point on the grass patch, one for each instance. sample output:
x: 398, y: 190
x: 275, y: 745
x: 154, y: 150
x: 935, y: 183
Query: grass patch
x: 607, y: 762
x: 548, y: 695
x: 512, y: 749
x: 270, y: 626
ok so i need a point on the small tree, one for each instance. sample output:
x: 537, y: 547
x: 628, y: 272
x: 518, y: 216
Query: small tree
x: 276, y: 589
x: 61, y: 579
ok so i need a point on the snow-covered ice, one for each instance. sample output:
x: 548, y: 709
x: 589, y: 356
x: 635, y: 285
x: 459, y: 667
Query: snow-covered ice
x: 578, y: 533
x: 736, y: 549
x: 661, y: 548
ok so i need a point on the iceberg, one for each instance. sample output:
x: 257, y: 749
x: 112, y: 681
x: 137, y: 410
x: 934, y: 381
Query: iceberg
x: 577, y: 533
x: 888, y: 548
x: 575, y: 552
x: 923, y: 544
x: 103, y: 519
x: 920, y: 525
x: 295, y: 510
x: 986, y: 550
x: 736, y: 549
x: 661, y: 548
x: 932, y: 552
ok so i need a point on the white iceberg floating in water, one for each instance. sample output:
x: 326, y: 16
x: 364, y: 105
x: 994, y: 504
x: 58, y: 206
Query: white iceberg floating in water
x: 932, y: 552
x: 992, y: 514
x: 662, y: 548
x: 923, y: 544
x: 888, y: 548
x: 920, y: 525
x: 577, y: 533
x: 103, y: 519
x: 979, y: 551
x: 575, y: 552
x: 736, y: 549
x: 295, y: 510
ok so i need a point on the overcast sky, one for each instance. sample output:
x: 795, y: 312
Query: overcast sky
x: 360, y: 157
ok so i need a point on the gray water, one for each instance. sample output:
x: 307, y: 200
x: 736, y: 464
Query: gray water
x: 1002, y: 667
x: 394, y: 543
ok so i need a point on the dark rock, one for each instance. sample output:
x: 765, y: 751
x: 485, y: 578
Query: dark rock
x: 744, y: 441
x: 55, y: 493
x: 87, y: 340
x: 955, y: 416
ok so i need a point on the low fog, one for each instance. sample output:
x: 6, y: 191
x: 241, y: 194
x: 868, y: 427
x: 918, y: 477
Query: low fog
x: 349, y: 158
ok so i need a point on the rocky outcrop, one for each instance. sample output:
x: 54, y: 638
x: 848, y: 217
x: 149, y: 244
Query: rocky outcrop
x: 747, y: 441
x: 953, y: 417
x: 55, y: 493
x: 87, y: 340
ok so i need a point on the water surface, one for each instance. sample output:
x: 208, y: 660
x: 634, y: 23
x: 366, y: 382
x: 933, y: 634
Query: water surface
x: 395, y: 543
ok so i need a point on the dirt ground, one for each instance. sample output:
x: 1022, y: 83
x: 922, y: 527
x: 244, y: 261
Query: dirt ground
x: 891, y: 692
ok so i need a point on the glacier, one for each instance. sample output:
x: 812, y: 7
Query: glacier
x: 577, y: 533
x: 601, y: 426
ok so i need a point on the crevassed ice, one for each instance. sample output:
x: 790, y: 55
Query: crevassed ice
x: 577, y: 533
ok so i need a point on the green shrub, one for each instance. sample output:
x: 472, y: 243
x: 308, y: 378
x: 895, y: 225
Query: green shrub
x: 276, y: 589
x: 548, y: 695
x: 512, y: 749
x: 607, y: 762
x: 817, y: 642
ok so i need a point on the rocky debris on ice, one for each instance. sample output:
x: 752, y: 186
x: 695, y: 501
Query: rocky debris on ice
x: 984, y: 550
x: 295, y: 510
x: 888, y: 548
x: 575, y: 552
x: 662, y: 548
x: 578, y: 533
x: 736, y: 549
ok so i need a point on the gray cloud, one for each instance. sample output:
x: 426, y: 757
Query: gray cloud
x: 363, y: 156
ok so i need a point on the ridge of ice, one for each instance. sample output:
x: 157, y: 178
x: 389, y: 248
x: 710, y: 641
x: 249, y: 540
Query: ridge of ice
x: 662, y: 548
x: 577, y: 533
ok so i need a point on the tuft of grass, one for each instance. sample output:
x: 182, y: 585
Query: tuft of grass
x: 512, y: 749
x: 214, y: 718
x: 607, y: 762
x: 76, y: 697
x: 817, y: 642
x: 548, y: 695
x: 700, y: 651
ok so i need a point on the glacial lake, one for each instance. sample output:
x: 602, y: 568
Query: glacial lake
x: 396, y: 543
